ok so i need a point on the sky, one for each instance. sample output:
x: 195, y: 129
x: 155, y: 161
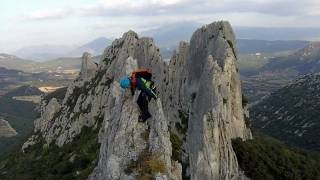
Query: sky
x: 74, y: 22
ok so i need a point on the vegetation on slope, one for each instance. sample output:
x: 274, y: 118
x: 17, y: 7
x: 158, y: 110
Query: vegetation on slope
x: 256, y: 83
x: 20, y: 115
x: 266, y: 158
x: 74, y: 160
x: 291, y: 114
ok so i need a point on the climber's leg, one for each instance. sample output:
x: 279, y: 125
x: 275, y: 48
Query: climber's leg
x: 143, y: 106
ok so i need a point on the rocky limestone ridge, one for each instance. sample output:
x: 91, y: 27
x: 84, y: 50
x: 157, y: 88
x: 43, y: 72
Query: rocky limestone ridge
x: 198, y: 111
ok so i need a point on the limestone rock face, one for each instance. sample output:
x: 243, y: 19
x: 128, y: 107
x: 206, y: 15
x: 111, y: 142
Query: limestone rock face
x: 204, y: 101
x: 216, y: 112
x: 88, y: 66
x: 198, y: 111
x: 48, y: 112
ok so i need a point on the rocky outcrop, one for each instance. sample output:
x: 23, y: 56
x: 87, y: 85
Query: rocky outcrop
x: 198, y: 111
x: 6, y: 130
x: 88, y: 67
x: 206, y: 92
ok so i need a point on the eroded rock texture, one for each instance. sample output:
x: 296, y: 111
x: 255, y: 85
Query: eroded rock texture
x: 198, y: 111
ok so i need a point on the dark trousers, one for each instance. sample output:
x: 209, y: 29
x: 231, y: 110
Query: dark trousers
x: 143, y: 101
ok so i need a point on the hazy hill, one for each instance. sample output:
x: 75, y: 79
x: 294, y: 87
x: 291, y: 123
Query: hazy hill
x: 13, y: 62
x: 24, y: 91
x: 247, y: 46
x: 306, y: 60
x: 95, y: 47
x: 51, y: 52
x: 63, y: 63
x: 247, y: 42
x: 9, y: 78
x: 250, y: 40
x: 43, y: 52
x: 277, y: 33
x: 8, y: 72
x: 265, y: 73
x: 292, y: 113
x: 169, y: 36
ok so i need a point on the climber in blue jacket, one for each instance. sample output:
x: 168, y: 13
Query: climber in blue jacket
x: 141, y: 80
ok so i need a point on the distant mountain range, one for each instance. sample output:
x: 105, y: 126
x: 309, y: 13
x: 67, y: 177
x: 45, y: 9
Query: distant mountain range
x: 43, y: 52
x: 58, y: 64
x: 49, y: 52
x: 95, y: 47
x: 306, y: 60
x: 277, y: 33
x: 14, y: 62
x: 167, y: 36
x: 71, y: 59
x: 268, y: 40
x: 291, y: 114
x: 248, y: 46
x: 265, y: 73
x: 250, y: 40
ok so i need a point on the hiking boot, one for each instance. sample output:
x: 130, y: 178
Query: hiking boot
x: 144, y: 118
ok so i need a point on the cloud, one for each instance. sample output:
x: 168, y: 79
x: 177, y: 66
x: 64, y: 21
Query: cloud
x: 129, y: 7
x: 105, y: 15
x: 313, y: 8
x: 137, y: 3
x: 159, y: 7
x: 126, y: 8
x: 48, y: 14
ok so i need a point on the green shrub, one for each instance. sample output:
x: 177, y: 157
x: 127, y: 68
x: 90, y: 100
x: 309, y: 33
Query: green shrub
x: 184, y: 118
x: 53, y: 162
x: 245, y: 101
x: 58, y: 94
x: 146, y: 165
x: 266, y: 158
x: 176, y: 147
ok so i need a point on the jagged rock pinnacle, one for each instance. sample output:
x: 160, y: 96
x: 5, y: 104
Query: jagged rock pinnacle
x: 197, y: 114
x: 88, y: 67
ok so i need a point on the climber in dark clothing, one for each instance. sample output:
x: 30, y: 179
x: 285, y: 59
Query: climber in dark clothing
x: 141, y: 80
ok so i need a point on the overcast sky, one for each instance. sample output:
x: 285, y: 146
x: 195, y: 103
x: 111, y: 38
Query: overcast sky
x: 73, y: 22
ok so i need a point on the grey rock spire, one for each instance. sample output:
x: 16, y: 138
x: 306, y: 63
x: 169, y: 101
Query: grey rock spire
x: 198, y: 111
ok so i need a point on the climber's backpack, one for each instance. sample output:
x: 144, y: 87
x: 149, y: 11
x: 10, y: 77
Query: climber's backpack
x: 140, y: 73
